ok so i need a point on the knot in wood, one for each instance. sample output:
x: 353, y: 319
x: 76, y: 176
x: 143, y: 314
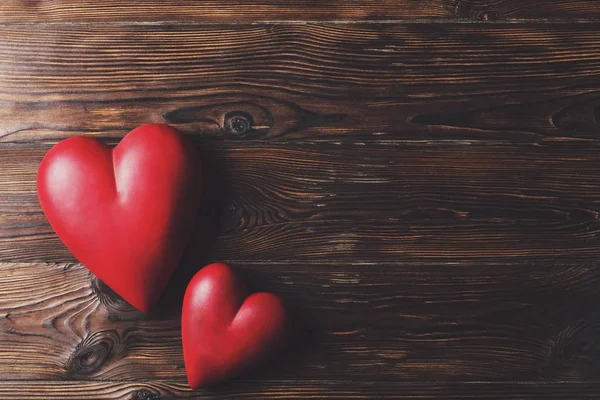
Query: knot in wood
x: 575, y: 351
x: 231, y: 218
x: 89, y: 359
x: 92, y: 353
x: 238, y: 123
x: 145, y: 395
x: 488, y: 16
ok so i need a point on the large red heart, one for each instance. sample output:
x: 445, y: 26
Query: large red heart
x: 224, y: 332
x: 126, y: 213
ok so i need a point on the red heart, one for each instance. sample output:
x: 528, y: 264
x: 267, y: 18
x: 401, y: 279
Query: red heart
x: 224, y: 332
x: 126, y: 213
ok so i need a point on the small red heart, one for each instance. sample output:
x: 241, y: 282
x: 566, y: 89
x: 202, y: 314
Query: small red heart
x: 126, y: 213
x: 223, y: 331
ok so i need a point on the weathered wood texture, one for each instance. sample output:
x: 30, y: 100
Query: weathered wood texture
x: 510, y: 82
x: 224, y: 12
x: 368, y: 202
x: 342, y: 390
x: 232, y: 11
x: 492, y: 10
x: 423, y: 193
x: 400, y: 322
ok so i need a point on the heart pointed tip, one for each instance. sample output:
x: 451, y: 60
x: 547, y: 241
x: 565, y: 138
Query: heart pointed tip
x: 144, y: 306
x: 193, y: 385
x: 198, y: 383
x: 143, y: 309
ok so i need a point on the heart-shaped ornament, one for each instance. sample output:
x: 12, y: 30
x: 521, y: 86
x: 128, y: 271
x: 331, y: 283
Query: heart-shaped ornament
x: 224, y: 331
x: 127, y: 212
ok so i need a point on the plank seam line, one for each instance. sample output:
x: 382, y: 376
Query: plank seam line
x: 449, y: 21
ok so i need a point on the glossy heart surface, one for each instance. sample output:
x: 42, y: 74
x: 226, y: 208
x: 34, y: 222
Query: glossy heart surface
x: 224, y: 331
x: 126, y: 212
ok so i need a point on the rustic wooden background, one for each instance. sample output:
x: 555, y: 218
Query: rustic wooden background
x: 420, y: 180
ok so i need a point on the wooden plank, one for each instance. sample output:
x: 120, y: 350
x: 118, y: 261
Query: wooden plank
x: 511, y: 82
x: 492, y: 10
x: 214, y: 11
x: 82, y: 390
x: 231, y: 12
x: 401, y: 321
x: 367, y: 202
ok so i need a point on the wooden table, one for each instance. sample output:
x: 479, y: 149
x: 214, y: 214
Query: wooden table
x: 420, y: 180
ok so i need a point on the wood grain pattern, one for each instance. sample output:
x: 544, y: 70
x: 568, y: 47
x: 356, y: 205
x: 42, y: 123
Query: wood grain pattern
x: 221, y: 12
x: 492, y: 10
x: 403, y: 321
x: 517, y: 83
x: 82, y: 390
x: 236, y: 11
x: 421, y: 190
x: 365, y: 202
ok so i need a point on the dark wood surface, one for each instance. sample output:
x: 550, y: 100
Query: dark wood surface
x: 422, y: 190
x: 247, y: 11
x: 392, y: 202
